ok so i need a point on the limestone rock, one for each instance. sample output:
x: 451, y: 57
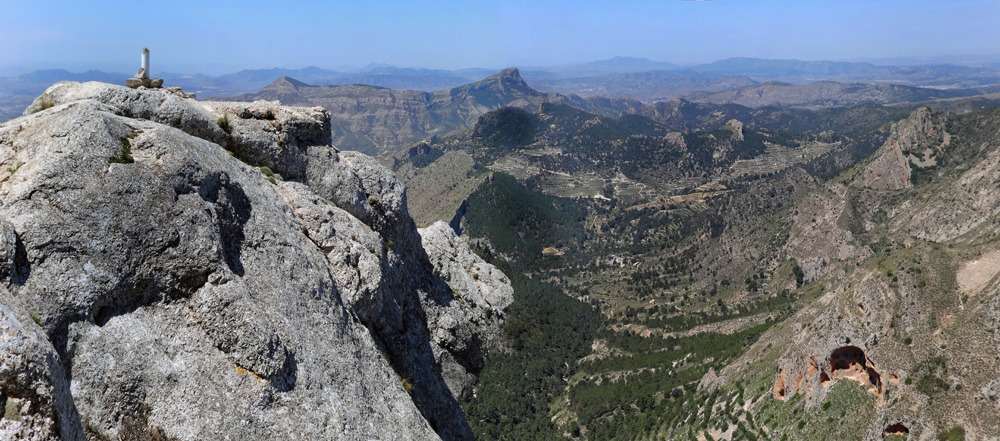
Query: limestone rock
x: 154, y: 105
x: 467, y: 326
x: 266, y: 134
x: 354, y: 252
x: 36, y: 398
x: 194, y: 297
x: 913, y: 143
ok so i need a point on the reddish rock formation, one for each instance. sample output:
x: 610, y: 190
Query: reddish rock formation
x: 813, y: 368
x: 843, y: 362
x: 779, y: 386
x: 851, y: 362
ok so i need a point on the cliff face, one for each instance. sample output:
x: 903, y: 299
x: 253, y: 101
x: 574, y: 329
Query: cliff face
x: 914, y: 143
x: 159, y: 286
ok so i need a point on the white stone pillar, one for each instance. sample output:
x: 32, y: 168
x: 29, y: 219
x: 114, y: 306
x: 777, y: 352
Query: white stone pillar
x: 145, y: 62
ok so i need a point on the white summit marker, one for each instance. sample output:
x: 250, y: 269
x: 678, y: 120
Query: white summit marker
x: 145, y: 63
x: 142, y: 78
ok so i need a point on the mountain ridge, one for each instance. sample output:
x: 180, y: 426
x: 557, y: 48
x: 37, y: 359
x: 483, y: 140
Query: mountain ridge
x: 381, y: 120
x: 825, y: 94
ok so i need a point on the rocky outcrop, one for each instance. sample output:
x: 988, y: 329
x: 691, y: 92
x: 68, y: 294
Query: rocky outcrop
x: 813, y: 378
x: 913, y: 143
x: 160, y: 286
x: 470, y: 323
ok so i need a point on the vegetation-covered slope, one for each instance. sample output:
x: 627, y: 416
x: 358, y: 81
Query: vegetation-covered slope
x: 823, y: 299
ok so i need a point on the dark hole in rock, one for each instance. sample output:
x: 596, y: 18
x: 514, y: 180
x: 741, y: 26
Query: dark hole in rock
x: 844, y: 357
x: 851, y: 362
x: 897, y: 429
x: 874, y: 378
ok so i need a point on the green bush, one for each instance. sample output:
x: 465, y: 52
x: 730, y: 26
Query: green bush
x: 956, y: 433
x: 224, y: 123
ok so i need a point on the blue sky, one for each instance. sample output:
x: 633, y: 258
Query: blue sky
x: 219, y: 36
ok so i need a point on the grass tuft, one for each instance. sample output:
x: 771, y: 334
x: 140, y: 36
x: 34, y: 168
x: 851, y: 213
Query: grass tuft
x: 125, y: 155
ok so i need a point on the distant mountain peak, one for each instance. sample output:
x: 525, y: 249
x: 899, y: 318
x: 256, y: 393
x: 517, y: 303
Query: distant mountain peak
x: 507, y: 79
x: 623, y: 58
x: 286, y: 83
x: 510, y: 73
x: 628, y: 64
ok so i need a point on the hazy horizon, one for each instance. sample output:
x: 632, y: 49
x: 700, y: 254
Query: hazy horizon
x: 214, y: 38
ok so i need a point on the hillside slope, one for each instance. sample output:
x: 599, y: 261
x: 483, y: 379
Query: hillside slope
x: 774, y: 294
x: 904, y: 334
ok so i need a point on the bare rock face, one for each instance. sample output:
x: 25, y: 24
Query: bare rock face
x: 36, y: 396
x: 162, y: 107
x: 470, y: 323
x: 913, y: 143
x: 156, y: 286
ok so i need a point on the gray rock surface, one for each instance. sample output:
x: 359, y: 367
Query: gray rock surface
x: 181, y: 293
x: 470, y: 324
x: 36, y: 398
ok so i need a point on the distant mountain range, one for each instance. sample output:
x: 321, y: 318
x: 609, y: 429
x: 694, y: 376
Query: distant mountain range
x: 597, y: 68
x: 644, y: 86
x: 638, y: 78
x: 393, y: 77
x: 829, y: 94
x: 562, y: 79
x: 376, y: 120
x: 796, y: 71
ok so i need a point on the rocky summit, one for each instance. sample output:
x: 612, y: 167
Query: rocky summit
x: 185, y: 270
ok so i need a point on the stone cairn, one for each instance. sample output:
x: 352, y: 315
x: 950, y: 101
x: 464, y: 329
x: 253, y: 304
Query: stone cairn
x: 142, y: 76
